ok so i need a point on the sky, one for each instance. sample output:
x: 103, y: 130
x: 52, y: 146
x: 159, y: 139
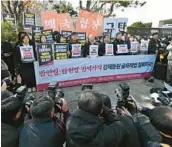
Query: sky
x: 152, y: 11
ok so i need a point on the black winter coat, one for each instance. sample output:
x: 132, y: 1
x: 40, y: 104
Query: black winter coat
x: 26, y: 70
x: 153, y: 46
x: 9, y: 136
x: 115, y: 43
x: 87, y: 130
x: 86, y: 49
x: 41, y: 133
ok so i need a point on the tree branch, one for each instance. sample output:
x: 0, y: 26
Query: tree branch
x: 111, y: 9
x: 15, y: 6
x: 9, y: 7
x: 80, y: 4
x: 98, y: 9
x: 88, y: 5
x: 4, y: 7
x: 93, y: 5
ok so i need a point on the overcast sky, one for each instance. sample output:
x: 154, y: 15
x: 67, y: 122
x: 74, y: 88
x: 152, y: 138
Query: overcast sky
x: 152, y: 11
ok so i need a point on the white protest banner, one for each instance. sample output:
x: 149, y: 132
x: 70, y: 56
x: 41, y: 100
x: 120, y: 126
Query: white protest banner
x: 144, y: 45
x: 93, y: 50
x: 78, y: 71
x: 27, y: 54
x: 134, y: 47
x: 121, y: 24
x: 76, y: 50
x: 109, y: 50
x: 122, y: 48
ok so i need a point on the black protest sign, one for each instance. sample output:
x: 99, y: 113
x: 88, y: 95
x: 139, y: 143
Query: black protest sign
x: 48, y: 34
x: 82, y: 37
x: 37, y: 32
x: 9, y: 18
x: 66, y: 34
x: 45, y: 54
x: 60, y: 51
x: 29, y: 20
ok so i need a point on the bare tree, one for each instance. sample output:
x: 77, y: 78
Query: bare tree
x: 17, y: 8
x: 95, y: 6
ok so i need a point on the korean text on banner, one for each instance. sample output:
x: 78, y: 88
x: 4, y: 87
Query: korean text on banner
x: 76, y: 50
x: 65, y: 22
x: 122, y: 48
x: 109, y: 50
x: 27, y: 54
x: 144, y: 45
x: 78, y: 71
x: 45, y: 54
x: 89, y: 22
x: 134, y: 47
x: 60, y: 50
x: 49, y: 20
x: 93, y: 50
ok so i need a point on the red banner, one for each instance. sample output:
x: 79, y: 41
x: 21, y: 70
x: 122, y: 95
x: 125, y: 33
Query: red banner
x: 89, y: 22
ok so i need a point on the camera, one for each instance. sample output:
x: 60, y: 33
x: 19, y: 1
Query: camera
x: 123, y: 95
x: 21, y: 92
x: 28, y: 100
x: 56, y: 94
x: 87, y: 86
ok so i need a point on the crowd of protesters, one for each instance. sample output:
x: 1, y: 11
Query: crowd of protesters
x: 25, y: 71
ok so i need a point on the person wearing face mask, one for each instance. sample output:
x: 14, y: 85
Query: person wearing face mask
x: 86, y: 47
x: 102, y: 46
x: 25, y: 69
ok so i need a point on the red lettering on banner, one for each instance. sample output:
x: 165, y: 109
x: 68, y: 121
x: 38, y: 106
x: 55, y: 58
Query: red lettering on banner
x: 76, y: 69
x: 64, y: 70
x: 99, y: 67
x: 89, y: 68
x: 50, y: 72
x: 83, y: 68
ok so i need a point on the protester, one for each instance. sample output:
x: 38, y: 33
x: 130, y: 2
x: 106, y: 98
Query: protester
x: 118, y: 40
x: 127, y: 41
x: 161, y: 118
x: 41, y: 130
x: 56, y: 37
x: 26, y: 69
x: 86, y: 47
x: 43, y: 39
x: 85, y: 128
x: 74, y: 40
x: 169, y: 69
x: 154, y: 44
x: 7, y: 55
x: 102, y: 46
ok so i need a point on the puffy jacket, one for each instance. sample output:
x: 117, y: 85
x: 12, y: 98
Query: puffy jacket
x: 87, y: 130
x: 41, y: 133
x: 9, y: 136
x: 153, y: 46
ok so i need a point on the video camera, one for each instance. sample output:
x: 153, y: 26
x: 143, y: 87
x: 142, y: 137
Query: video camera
x: 123, y: 95
x: 22, y: 95
x: 56, y: 94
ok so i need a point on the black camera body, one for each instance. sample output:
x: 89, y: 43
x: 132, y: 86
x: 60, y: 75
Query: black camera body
x: 21, y: 92
x: 123, y: 94
x: 56, y: 94
x: 7, y: 81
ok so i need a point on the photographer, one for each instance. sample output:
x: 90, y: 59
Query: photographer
x: 11, y: 120
x: 161, y: 118
x: 85, y: 128
x: 43, y: 130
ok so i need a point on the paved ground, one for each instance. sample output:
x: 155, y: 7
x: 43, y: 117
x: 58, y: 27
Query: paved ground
x: 138, y: 88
